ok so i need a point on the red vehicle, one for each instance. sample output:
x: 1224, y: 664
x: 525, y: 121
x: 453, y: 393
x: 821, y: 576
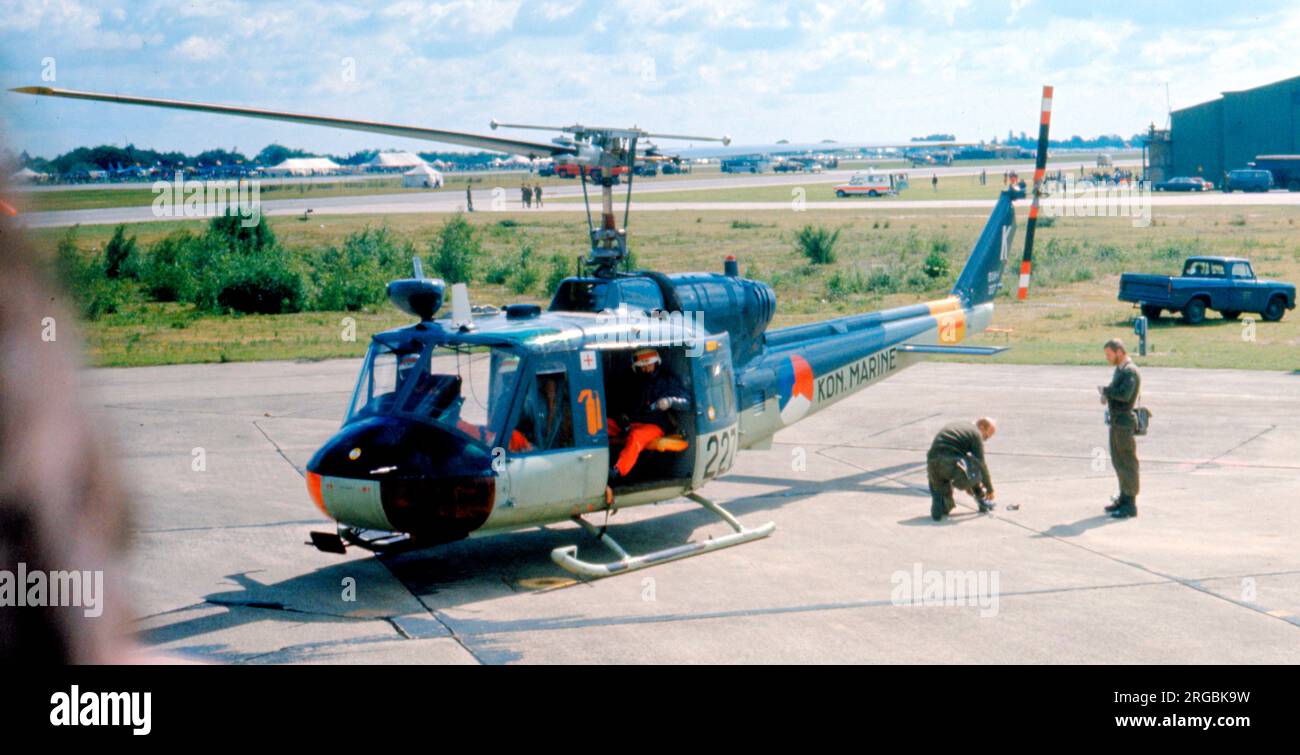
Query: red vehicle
x: 570, y: 170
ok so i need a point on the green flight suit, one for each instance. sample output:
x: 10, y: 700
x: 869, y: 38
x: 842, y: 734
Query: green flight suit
x: 955, y: 442
x: 1121, y: 396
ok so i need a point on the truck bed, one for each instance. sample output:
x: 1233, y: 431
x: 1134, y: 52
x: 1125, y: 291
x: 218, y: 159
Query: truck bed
x: 1148, y: 289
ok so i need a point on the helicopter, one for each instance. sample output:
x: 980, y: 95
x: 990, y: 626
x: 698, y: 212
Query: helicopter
x: 485, y: 423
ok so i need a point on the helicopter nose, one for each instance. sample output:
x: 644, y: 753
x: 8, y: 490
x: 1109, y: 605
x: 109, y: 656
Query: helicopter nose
x: 398, y: 475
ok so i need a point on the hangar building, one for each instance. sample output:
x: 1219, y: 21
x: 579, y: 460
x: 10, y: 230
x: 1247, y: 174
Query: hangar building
x: 1224, y: 134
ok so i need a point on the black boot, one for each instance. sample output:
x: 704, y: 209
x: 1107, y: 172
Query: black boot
x: 984, y: 506
x: 1126, y: 508
x: 937, y: 507
x: 1115, y: 503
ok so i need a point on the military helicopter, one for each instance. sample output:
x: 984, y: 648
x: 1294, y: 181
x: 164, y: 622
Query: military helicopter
x: 481, y: 424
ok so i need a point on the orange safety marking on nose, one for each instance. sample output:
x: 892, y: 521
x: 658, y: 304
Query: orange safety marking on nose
x: 313, y: 489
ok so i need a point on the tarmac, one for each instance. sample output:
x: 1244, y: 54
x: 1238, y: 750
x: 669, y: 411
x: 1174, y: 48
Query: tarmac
x: 856, y: 572
x: 505, y: 197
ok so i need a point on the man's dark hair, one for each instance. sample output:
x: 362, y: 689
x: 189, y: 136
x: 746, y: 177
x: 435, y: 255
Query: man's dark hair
x: 1115, y: 344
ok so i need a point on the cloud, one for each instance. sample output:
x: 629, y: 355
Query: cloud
x: 869, y: 70
x: 200, y: 48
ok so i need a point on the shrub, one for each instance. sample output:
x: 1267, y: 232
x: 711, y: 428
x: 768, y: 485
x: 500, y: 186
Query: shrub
x: 163, y: 270
x: 231, y: 230
x: 817, y: 244
x: 523, y: 275
x: 356, y: 274
x: 120, y: 257
x: 499, y: 272
x: 455, y: 251
x: 92, y: 293
x: 843, y: 283
x: 559, y: 268
x: 936, y: 263
x: 261, y: 284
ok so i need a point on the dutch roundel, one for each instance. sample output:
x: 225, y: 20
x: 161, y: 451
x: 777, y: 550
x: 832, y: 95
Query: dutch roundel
x: 795, y: 383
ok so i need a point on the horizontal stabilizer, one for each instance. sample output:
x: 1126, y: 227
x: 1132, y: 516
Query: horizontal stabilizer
x: 973, y: 351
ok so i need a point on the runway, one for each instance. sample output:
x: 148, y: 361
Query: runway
x: 1208, y: 573
x: 506, y: 198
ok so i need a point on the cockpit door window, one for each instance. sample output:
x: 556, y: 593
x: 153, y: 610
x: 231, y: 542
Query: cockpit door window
x: 546, y: 417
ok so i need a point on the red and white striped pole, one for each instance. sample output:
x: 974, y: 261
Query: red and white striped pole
x: 1040, y: 168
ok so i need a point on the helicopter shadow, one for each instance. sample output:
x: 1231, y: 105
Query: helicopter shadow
x: 522, y: 559
x: 387, y: 609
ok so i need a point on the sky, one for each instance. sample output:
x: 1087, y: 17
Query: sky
x: 758, y: 71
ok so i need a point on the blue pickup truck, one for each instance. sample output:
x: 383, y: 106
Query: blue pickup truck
x: 1225, y: 284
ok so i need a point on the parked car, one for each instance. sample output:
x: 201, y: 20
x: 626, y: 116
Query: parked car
x: 1248, y: 179
x: 1225, y: 284
x: 1183, y: 183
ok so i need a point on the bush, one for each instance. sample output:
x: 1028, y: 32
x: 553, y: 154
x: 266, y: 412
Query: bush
x: 163, y: 270
x: 524, y: 273
x: 236, y: 236
x: 356, y: 274
x: 120, y: 257
x: 817, y: 244
x: 261, y: 284
x: 559, y: 268
x: 92, y: 293
x: 455, y: 251
x: 524, y: 279
x: 844, y: 283
x: 936, y: 263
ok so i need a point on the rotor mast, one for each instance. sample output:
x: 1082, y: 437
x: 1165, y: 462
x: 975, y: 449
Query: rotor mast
x: 599, y: 152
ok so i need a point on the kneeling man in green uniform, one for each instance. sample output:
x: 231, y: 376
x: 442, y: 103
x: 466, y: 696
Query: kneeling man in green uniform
x: 956, y: 460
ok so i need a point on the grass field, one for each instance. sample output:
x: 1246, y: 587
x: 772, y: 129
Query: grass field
x: 1072, y: 307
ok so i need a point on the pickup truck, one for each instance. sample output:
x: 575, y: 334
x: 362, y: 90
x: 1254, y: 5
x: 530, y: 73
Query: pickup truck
x: 1225, y: 284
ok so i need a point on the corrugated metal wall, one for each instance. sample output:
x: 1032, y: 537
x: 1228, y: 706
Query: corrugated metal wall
x: 1214, y: 137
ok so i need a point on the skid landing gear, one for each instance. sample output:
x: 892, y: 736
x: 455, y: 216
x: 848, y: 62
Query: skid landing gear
x: 567, y: 556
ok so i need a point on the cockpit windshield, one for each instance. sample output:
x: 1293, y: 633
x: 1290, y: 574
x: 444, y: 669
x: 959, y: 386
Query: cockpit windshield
x: 462, y: 389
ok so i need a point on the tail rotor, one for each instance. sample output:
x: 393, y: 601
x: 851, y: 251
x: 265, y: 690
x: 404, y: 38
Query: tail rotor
x: 1040, y: 169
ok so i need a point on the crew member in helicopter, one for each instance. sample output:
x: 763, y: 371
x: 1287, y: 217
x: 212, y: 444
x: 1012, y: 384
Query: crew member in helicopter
x: 656, y: 394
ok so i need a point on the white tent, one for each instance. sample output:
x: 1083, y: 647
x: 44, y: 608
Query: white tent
x: 303, y: 166
x: 25, y: 175
x: 422, y: 177
x: 394, y: 161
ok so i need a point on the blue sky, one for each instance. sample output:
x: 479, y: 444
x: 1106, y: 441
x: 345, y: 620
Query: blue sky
x: 760, y: 71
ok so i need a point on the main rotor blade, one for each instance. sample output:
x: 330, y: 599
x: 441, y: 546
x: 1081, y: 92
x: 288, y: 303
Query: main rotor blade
x: 496, y: 144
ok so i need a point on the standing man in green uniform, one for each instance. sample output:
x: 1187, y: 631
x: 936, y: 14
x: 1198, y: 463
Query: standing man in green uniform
x: 956, y: 459
x: 1120, y: 397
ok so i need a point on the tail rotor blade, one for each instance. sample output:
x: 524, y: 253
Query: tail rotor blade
x: 1040, y: 168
